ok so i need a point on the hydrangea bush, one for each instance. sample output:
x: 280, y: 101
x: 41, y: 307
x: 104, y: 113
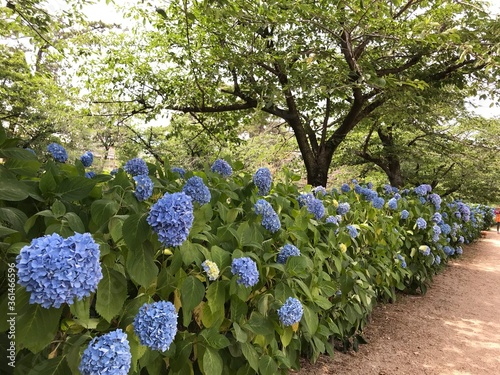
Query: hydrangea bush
x: 116, y: 278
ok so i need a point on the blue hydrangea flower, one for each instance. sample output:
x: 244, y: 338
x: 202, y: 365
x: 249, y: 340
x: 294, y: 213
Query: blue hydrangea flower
x: 156, y: 325
x: 353, y: 232
x: 369, y: 185
x: 459, y: 250
x: 246, y: 270
x: 270, y: 219
x: 369, y: 194
x: 313, y: 204
x: 378, y: 202
x: 343, y: 208
x: 435, y: 199
x: 87, y: 158
x: 345, y: 188
x: 171, y: 218
x: 387, y: 189
x: 211, y: 269
x: 402, y: 260
x: 425, y: 250
x: 143, y: 188
x: 291, y: 311
x: 58, y: 152
x: 136, y: 167
x: 90, y: 174
x: 448, y: 250
x: 113, y: 171
x: 222, y: 167
x: 179, y: 170
x: 303, y: 199
x: 334, y: 219
x: 358, y: 189
x: 437, y: 259
x: 263, y: 180
x: 461, y: 239
x: 445, y: 228
x: 404, y: 214
x: 437, y: 218
x: 107, y: 354
x: 197, y: 190
x: 421, y: 223
x: 319, y: 190
x: 423, y: 189
x: 392, y: 204
x: 55, y: 270
x: 287, y: 251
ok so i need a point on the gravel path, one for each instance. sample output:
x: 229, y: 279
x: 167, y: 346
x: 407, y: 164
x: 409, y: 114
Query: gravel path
x: 453, y: 330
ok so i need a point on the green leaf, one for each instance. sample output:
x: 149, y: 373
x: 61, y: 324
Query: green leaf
x: 58, y: 209
x: 192, y: 293
x: 259, y: 324
x: 14, y: 217
x: 135, y: 230
x: 267, y: 365
x: 74, y: 222
x: 111, y: 293
x: 13, y: 190
x: 102, y: 210
x: 74, y: 188
x: 251, y: 355
x: 53, y: 366
x: 240, y: 335
x: 6, y: 231
x: 212, y: 362
x: 141, y: 265
x: 23, y: 167
x: 310, y: 319
x: 36, y: 326
x: 286, y: 336
x: 16, y: 153
x: 215, y: 340
x: 47, y: 182
x: 216, y: 295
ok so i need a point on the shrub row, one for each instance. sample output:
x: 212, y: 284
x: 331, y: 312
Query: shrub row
x: 158, y: 270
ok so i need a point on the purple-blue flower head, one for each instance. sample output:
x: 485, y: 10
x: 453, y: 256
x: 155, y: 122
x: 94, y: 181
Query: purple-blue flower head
x: 246, y: 271
x: 423, y: 189
x: 319, y: 190
x: 222, y: 167
x: 425, y: 250
x: 437, y: 218
x: 343, y: 208
x: 345, y: 188
x: 136, y: 167
x: 270, y: 219
x: 404, y: 214
x: 143, y: 187
x: 437, y: 259
x: 87, y: 159
x: 287, y: 251
x: 263, y: 180
x: 378, y: 202
x: 197, y: 190
x: 353, y: 232
x: 171, y: 218
x: 435, y: 199
x: 402, y: 260
x: 90, y: 174
x: 55, y: 270
x: 108, y: 354
x: 421, y: 223
x: 179, y: 170
x: 334, y: 219
x: 156, y: 325
x: 58, y: 152
x: 291, y: 311
x: 392, y: 204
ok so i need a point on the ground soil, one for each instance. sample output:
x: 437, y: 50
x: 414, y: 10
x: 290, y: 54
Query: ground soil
x: 454, y: 329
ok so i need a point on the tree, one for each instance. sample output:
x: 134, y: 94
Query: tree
x: 323, y: 67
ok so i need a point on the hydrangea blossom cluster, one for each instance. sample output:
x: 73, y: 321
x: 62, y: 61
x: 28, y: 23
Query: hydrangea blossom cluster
x: 211, y: 269
x: 436, y: 232
x: 270, y: 219
x: 156, y: 325
x: 437, y: 218
x: 353, y: 232
x: 378, y: 202
x: 113, y: 171
x: 58, y: 152
x: 143, y: 187
x: 57, y: 270
x: 369, y: 194
x: 435, y: 199
x: 343, y: 208
x: 90, y: 174
x: 445, y: 228
x: 171, y: 218
x: 404, y: 214
x: 179, y: 170
x: 136, y: 167
x: 448, y: 250
x: 107, y: 354
x: 421, y: 223
x: 392, y: 204
x: 459, y: 250
x: 291, y: 311
x: 423, y: 189
x: 313, y: 204
x: 222, y: 167
x: 437, y: 260
x: 461, y: 239
x: 287, y: 251
x: 319, y: 190
x: 197, y: 190
x: 263, y: 180
x: 334, y: 219
x: 87, y: 159
x: 425, y: 250
x: 402, y: 260
x: 345, y: 188
x: 246, y: 270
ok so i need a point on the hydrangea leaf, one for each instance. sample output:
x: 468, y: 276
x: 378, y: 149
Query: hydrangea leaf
x: 141, y: 265
x: 53, y: 366
x: 74, y: 188
x: 102, y: 210
x: 13, y: 190
x: 212, y: 362
x: 135, y: 230
x: 111, y: 293
x: 192, y: 293
x: 267, y: 365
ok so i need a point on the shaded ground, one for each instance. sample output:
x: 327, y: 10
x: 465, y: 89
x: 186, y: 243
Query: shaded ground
x: 453, y: 330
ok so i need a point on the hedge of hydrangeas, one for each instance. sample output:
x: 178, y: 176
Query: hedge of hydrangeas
x: 209, y: 271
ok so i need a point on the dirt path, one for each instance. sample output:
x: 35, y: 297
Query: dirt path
x: 453, y: 330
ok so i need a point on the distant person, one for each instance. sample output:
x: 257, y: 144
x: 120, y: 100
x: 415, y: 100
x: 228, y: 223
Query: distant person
x: 497, y: 218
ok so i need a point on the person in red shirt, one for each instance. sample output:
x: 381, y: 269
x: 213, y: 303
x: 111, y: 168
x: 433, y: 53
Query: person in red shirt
x: 497, y: 218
